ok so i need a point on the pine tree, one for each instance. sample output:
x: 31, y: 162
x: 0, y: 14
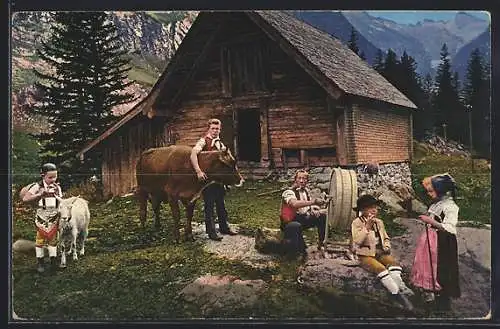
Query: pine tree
x: 427, y: 112
x: 85, y: 81
x: 391, y: 67
x: 408, y: 82
x: 476, y: 98
x: 445, y: 97
x: 378, y: 62
x: 353, y: 41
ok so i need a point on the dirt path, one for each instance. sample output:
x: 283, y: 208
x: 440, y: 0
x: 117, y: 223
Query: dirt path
x: 474, y: 249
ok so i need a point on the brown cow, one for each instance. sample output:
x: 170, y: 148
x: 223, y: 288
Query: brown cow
x: 166, y: 173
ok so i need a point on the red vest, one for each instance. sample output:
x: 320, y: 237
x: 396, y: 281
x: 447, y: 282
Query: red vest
x: 287, y: 212
x: 208, y: 145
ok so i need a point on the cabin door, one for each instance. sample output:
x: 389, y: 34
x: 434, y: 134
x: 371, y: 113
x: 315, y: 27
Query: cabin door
x: 248, y: 135
x: 227, y: 133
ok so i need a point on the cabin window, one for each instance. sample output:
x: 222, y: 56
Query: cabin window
x: 291, y: 158
x: 244, y: 69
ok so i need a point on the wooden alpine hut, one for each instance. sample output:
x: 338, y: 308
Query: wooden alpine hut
x: 288, y: 95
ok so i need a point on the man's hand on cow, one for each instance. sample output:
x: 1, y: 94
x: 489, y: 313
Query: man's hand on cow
x: 201, y: 175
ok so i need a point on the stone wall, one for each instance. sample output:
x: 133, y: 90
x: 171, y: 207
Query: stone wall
x: 389, y: 176
x: 390, y: 183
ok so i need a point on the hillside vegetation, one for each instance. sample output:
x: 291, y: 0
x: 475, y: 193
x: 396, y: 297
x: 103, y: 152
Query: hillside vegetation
x: 474, y: 193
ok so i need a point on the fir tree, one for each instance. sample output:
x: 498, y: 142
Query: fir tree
x: 391, y: 67
x: 408, y: 82
x: 353, y: 41
x: 85, y: 81
x: 378, y: 62
x: 477, y: 99
x: 426, y: 112
x: 362, y: 55
x: 445, y: 95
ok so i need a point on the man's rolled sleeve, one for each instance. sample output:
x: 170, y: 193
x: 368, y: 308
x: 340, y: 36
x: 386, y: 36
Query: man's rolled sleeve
x: 200, y: 144
x: 34, y: 189
x: 288, y: 196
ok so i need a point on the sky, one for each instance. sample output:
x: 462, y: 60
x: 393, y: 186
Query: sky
x: 412, y: 17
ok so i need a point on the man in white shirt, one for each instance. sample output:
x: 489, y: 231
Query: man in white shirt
x: 213, y: 195
x: 299, y: 212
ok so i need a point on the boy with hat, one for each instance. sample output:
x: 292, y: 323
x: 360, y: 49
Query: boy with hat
x: 372, y: 245
x: 47, y: 213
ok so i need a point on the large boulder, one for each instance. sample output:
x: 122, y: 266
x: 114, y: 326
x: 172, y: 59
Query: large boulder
x: 234, y: 247
x: 23, y: 246
x: 213, y: 292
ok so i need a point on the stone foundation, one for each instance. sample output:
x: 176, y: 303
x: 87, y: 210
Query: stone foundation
x: 390, y: 176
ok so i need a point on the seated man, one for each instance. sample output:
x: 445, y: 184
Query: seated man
x: 299, y: 212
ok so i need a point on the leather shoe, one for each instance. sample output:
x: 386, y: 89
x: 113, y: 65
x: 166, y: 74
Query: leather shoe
x: 214, y: 237
x: 228, y: 232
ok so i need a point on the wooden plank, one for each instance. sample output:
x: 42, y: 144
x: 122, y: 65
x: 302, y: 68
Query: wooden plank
x: 224, y: 71
x: 323, y: 81
x: 235, y: 129
x: 303, y: 158
x: 195, y: 66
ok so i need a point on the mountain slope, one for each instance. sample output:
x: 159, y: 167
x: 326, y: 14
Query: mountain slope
x: 455, y: 33
x: 336, y: 24
x: 386, y: 34
x: 150, y: 43
x: 460, y: 60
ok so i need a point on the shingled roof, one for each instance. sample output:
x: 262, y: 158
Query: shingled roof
x: 335, y: 62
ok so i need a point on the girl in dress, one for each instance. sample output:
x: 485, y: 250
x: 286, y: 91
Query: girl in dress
x: 435, y: 267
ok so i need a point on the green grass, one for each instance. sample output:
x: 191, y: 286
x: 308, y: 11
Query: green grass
x: 125, y: 264
x: 474, y: 194
x: 129, y: 273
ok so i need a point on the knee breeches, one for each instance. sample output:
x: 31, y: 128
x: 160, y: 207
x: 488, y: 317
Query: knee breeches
x: 378, y: 263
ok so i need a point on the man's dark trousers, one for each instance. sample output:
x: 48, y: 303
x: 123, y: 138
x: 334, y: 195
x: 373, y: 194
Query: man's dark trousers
x: 213, y: 195
x: 293, y: 230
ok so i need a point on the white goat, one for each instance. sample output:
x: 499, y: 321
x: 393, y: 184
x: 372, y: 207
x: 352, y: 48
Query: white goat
x: 74, y: 223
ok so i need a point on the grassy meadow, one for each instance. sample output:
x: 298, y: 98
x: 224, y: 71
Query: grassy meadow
x: 129, y: 273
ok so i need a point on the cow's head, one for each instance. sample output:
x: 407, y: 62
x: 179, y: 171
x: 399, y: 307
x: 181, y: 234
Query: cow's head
x: 225, y: 170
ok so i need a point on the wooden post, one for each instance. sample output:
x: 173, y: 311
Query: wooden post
x: 444, y: 132
x: 283, y: 159
x: 411, y: 137
x: 304, y: 161
x: 470, y: 138
x: 235, y: 130
x: 266, y: 147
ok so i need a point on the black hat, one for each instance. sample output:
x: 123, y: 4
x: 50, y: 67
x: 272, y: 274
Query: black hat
x: 46, y: 167
x: 365, y: 201
x: 443, y: 183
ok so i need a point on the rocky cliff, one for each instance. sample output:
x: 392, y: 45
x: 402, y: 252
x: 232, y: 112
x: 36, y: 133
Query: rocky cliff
x: 150, y: 41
